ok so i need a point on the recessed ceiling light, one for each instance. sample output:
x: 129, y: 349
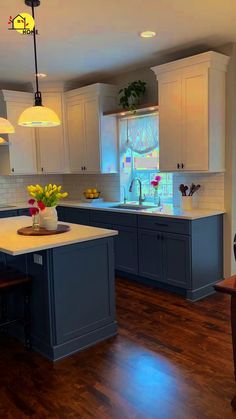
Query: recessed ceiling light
x: 147, y: 34
x: 42, y: 75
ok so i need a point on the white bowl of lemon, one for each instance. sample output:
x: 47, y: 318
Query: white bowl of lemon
x: 92, y: 193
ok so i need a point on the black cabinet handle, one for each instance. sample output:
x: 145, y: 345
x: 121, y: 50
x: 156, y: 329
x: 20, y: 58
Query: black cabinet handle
x: 162, y: 237
x: 178, y: 165
x: 42, y: 169
x: 13, y: 169
x: 182, y: 165
x: 84, y: 168
x: 158, y: 237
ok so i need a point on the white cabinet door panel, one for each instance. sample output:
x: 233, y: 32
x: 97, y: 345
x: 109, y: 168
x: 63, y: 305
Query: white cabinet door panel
x: 22, y: 148
x: 75, y: 118
x: 92, y: 135
x: 51, y: 140
x: 170, y: 131
x: 195, y: 120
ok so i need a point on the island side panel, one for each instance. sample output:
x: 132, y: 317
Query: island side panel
x: 42, y: 306
x: 83, y: 295
x: 73, y: 297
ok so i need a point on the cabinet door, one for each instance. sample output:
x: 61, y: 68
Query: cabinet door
x: 51, y: 140
x: 76, y: 216
x: 22, y: 148
x: 150, y: 255
x: 76, y: 136
x: 170, y: 120
x: 92, y: 135
x: 126, y: 249
x: 195, y: 119
x: 176, y: 259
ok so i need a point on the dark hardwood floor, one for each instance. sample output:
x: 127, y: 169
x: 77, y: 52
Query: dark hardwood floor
x: 171, y: 360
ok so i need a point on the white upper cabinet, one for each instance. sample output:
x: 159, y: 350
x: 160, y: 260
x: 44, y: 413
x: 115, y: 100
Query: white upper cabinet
x: 192, y: 113
x: 19, y: 157
x: 92, y: 137
x: 51, y: 141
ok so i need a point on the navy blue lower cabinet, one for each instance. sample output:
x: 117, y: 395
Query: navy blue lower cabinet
x: 126, y: 249
x: 176, y: 259
x: 8, y: 213
x: 76, y: 216
x: 24, y: 211
x: 150, y: 254
x: 61, y: 213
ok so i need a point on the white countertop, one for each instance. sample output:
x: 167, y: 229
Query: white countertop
x: 168, y: 210
x: 14, y: 244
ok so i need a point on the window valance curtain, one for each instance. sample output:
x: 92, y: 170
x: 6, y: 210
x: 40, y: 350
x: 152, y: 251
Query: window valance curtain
x: 140, y: 134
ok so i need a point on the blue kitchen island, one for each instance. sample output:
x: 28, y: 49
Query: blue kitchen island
x: 73, y: 293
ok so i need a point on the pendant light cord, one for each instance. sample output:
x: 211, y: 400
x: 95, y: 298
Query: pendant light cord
x: 38, y: 100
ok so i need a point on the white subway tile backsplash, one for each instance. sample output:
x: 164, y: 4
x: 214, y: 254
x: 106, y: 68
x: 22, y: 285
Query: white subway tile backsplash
x: 13, y: 189
x: 211, y: 193
x: 108, y: 185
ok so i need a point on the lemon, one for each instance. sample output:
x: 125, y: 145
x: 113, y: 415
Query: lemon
x: 91, y: 195
x: 96, y: 195
x: 88, y: 191
x: 94, y: 190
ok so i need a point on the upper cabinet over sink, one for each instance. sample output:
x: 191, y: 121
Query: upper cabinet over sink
x: 192, y: 113
x: 92, y: 137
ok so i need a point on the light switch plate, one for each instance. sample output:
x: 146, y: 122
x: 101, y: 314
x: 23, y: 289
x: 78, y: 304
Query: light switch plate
x: 38, y: 259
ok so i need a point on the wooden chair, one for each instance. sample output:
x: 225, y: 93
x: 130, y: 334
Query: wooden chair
x: 10, y: 279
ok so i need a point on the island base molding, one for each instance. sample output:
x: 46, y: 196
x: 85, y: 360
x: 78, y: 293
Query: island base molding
x: 56, y: 353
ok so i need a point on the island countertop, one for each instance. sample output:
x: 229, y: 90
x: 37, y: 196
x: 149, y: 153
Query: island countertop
x: 15, y: 244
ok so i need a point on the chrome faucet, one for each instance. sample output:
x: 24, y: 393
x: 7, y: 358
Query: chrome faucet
x: 125, y: 199
x: 141, y: 199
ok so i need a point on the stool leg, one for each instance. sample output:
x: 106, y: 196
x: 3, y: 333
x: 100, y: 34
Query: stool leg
x: 27, y: 318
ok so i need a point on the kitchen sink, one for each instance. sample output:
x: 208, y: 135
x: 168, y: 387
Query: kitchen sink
x: 136, y: 207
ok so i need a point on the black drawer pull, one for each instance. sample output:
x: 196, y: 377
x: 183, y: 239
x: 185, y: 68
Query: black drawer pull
x: 161, y: 225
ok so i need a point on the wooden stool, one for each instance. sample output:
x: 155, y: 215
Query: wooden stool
x: 10, y: 279
x: 228, y: 286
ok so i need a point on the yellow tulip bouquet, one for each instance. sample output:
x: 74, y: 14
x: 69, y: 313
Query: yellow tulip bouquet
x: 47, y: 196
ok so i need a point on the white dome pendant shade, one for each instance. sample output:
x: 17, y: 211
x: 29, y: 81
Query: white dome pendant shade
x: 37, y: 116
x: 6, y: 127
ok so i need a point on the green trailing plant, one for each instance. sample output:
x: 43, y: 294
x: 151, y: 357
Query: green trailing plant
x: 131, y: 95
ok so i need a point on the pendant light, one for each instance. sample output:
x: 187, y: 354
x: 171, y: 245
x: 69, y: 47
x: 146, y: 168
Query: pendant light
x: 5, y: 128
x: 37, y: 115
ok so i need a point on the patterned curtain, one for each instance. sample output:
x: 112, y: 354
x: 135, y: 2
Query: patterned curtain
x: 140, y: 134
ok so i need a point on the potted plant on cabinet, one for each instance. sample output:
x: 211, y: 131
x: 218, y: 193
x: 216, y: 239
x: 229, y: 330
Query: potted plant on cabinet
x: 131, y: 95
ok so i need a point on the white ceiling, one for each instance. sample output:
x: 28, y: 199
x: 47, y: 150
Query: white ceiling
x: 82, y: 39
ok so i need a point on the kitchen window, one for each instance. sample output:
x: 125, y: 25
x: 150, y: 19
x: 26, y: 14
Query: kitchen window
x: 139, y: 153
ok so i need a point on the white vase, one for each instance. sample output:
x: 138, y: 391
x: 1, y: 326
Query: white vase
x: 48, y: 218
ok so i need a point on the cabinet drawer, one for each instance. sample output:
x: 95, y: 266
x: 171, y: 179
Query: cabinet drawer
x: 76, y: 216
x: 116, y: 218
x: 170, y: 225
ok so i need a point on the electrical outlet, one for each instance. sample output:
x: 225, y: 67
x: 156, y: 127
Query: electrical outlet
x: 38, y: 259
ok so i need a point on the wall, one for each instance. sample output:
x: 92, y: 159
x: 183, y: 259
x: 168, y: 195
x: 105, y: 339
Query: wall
x: 13, y: 188
x: 108, y: 185
x: 230, y: 175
